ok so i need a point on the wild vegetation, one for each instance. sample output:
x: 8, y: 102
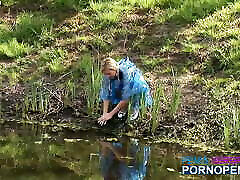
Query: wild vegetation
x: 50, y: 53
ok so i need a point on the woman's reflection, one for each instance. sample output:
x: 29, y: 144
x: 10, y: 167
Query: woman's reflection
x: 126, y: 160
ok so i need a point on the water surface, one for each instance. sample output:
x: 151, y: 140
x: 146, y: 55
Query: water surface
x: 34, y: 153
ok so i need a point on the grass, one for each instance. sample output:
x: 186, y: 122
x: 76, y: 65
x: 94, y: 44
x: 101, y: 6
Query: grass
x: 30, y: 27
x: 151, y: 63
x: 107, y: 13
x: 221, y: 40
x: 93, y: 78
x: 146, y: 4
x: 36, y: 100
x: 13, y: 49
x: 158, y: 97
x: 206, y: 32
x: 231, y: 127
x: 187, y: 11
x: 222, y: 109
x: 54, y: 59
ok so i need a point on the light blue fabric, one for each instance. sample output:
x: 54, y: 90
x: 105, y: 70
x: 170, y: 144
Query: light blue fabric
x: 132, y: 86
x: 120, y: 169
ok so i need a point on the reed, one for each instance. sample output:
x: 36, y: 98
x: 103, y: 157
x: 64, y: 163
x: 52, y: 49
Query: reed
x: 231, y: 125
x: 158, y: 97
x: 176, y: 100
x: 93, y: 78
x: 36, y: 100
x: 71, y: 89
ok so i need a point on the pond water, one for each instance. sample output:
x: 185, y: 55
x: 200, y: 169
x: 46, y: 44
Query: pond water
x: 34, y: 153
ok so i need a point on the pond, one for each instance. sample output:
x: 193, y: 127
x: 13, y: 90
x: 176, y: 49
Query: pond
x: 33, y: 152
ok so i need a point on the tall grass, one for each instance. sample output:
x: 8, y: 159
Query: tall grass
x: 71, y: 89
x: 36, y: 100
x: 232, y: 126
x: 175, y: 100
x: 54, y: 59
x: 30, y: 29
x: 30, y: 26
x: 159, y: 99
x: 93, y: 77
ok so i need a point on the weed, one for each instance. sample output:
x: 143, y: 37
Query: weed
x: 54, y: 59
x: 175, y: 102
x: 71, y: 89
x: 36, y: 100
x: 12, y: 48
x: 158, y: 97
x: 30, y: 27
x: 93, y: 78
x: 107, y: 13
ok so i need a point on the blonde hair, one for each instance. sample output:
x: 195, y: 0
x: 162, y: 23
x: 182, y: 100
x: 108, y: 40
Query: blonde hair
x: 109, y: 64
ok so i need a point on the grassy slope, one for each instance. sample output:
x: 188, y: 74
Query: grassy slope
x: 200, y: 41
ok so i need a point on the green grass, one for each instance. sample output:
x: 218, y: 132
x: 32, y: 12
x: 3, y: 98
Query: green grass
x: 30, y: 29
x: 54, y: 59
x: 9, y: 46
x: 186, y: 11
x: 31, y: 26
x: 92, y: 77
x: 146, y: 4
x: 159, y: 99
x: 220, y: 39
x: 151, y: 63
x: 13, y: 49
x: 107, y: 13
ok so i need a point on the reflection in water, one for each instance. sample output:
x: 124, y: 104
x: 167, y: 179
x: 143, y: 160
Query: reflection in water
x: 121, y: 160
x: 35, y: 154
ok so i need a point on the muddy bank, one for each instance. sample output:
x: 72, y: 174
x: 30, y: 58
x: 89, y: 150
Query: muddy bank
x: 61, y: 113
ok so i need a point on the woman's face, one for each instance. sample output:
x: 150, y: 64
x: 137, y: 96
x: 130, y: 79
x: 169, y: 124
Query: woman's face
x: 111, y: 74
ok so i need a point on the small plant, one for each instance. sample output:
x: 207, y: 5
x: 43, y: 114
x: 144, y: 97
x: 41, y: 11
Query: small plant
x: 30, y: 27
x: 37, y: 100
x: 231, y: 126
x: 14, y: 49
x: 176, y: 97
x: 54, y: 59
x: 159, y: 99
x: 71, y: 89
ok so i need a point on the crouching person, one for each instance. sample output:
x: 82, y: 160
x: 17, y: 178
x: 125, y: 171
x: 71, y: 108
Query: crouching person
x: 122, y: 83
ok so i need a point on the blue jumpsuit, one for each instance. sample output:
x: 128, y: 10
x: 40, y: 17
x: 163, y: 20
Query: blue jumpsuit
x: 129, y: 86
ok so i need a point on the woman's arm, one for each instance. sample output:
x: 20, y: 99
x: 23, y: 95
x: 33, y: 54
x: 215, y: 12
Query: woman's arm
x: 105, y: 117
x: 121, y: 105
x: 105, y: 106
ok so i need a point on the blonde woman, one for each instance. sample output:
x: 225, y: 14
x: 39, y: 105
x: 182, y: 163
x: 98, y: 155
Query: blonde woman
x: 122, y: 82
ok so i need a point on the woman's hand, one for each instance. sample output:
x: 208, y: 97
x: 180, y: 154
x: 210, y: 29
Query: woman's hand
x: 104, y: 118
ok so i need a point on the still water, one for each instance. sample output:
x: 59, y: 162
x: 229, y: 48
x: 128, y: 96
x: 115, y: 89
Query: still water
x: 32, y: 153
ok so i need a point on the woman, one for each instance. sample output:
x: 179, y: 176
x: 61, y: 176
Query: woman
x: 122, y: 83
x: 124, y: 160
